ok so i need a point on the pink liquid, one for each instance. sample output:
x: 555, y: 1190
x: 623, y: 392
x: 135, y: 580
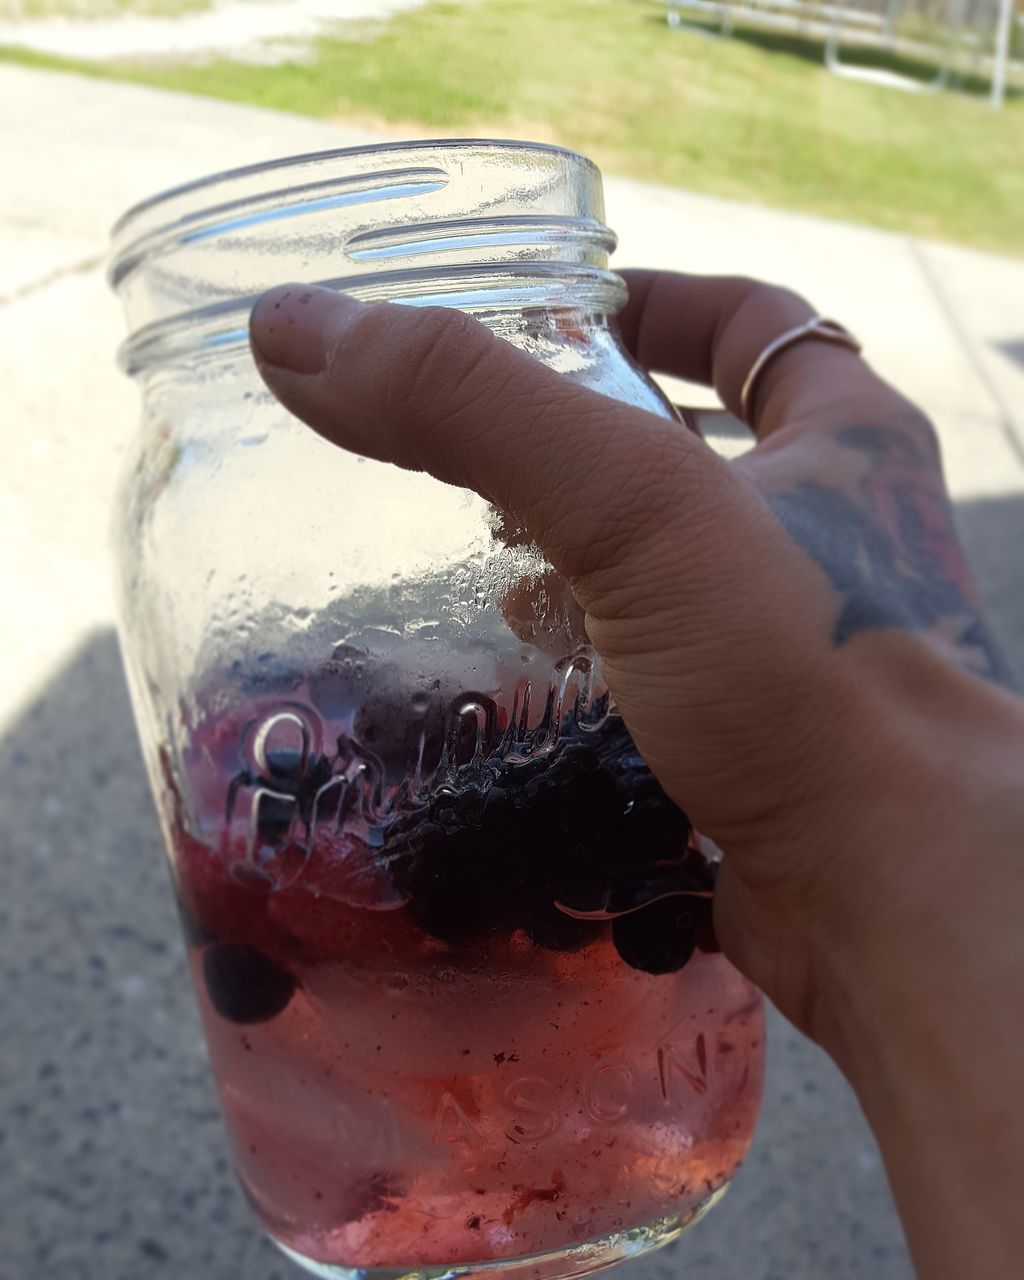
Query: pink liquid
x: 407, y: 1099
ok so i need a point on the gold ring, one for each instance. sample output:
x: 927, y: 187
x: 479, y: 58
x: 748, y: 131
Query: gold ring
x: 816, y: 327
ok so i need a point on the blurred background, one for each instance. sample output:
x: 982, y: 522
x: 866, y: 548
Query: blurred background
x: 869, y: 153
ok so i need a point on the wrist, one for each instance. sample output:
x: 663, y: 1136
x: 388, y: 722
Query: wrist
x: 927, y: 868
x: 935, y: 919
x: 922, y: 1014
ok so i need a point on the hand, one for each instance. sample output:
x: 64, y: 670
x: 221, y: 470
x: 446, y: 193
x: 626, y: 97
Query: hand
x: 773, y: 630
x: 795, y: 641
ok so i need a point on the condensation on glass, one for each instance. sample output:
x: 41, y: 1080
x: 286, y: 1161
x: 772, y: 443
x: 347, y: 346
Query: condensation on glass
x: 450, y: 940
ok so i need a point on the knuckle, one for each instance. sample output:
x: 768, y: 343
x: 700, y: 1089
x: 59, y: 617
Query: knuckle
x: 760, y: 311
x: 441, y: 350
x: 784, y: 296
x: 921, y: 432
x: 905, y: 426
x: 640, y: 513
x: 776, y: 301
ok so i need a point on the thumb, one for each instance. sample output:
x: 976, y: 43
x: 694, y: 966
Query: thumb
x: 689, y: 585
x: 589, y: 479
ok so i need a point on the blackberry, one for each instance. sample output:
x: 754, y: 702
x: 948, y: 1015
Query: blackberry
x: 457, y: 888
x: 595, y: 801
x: 578, y: 870
x: 503, y: 813
x: 587, y: 826
x: 575, y: 804
x: 652, y: 829
x: 245, y: 985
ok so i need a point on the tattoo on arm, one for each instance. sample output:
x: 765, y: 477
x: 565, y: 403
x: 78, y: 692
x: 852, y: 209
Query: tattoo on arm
x: 892, y: 552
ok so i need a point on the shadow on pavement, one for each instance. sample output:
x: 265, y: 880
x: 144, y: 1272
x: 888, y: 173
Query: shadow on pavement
x: 1013, y: 349
x: 112, y: 1161
x: 112, y: 1165
x: 993, y: 534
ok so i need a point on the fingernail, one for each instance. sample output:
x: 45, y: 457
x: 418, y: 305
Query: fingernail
x: 290, y: 325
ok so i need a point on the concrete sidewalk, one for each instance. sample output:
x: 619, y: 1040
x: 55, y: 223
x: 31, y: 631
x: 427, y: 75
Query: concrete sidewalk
x: 113, y: 1165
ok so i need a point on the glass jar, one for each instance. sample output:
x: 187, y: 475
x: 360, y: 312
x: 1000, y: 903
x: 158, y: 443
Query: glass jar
x: 451, y: 942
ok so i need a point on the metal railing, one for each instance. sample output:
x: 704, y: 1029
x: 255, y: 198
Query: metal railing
x: 958, y: 38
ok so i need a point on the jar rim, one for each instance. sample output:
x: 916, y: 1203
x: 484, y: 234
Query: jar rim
x: 391, y: 221
x: 123, y: 242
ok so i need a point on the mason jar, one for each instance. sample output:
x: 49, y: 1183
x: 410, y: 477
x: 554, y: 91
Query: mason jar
x: 451, y: 941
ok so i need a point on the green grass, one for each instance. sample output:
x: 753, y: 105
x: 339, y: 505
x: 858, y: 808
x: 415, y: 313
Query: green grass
x: 755, y: 117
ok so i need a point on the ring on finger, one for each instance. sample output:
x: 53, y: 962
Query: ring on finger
x: 817, y: 327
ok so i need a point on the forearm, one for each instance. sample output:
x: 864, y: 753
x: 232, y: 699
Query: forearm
x: 931, y: 1036
x: 943, y: 1095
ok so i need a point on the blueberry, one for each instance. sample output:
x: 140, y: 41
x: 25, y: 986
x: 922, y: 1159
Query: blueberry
x: 635, y: 886
x: 627, y: 891
x: 700, y: 873
x: 653, y: 829
x: 244, y: 985
x: 659, y: 938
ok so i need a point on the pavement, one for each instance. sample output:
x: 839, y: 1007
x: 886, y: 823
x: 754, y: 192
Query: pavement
x: 267, y: 31
x: 112, y: 1163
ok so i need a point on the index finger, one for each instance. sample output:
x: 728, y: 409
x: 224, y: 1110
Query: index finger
x: 711, y: 329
